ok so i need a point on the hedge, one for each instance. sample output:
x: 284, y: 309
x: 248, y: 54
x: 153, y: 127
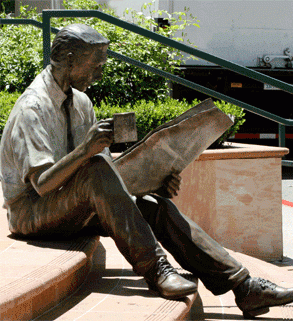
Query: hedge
x: 7, y: 101
x: 149, y: 115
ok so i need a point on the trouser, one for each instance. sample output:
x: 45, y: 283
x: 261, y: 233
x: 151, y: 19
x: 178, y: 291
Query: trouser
x: 95, y: 199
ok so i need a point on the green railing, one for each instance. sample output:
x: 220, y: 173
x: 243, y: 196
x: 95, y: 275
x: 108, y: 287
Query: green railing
x: 47, y: 29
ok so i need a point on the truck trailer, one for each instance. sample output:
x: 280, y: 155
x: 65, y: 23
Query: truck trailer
x: 256, y: 34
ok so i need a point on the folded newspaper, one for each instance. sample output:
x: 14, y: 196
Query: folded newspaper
x: 171, y: 147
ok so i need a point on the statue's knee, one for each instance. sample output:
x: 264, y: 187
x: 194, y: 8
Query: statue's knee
x: 102, y: 165
x: 105, y: 172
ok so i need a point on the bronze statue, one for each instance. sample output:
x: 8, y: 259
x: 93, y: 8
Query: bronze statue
x: 58, y: 180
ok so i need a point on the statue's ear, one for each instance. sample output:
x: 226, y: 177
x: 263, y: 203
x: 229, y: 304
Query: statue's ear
x: 70, y: 60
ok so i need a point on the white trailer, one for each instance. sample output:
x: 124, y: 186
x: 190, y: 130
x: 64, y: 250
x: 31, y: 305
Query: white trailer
x: 250, y: 33
x: 256, y: 34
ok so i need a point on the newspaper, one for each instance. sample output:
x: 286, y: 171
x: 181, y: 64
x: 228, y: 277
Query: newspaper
x: 171, y: 147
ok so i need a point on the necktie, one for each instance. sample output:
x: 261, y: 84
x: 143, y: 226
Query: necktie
x: 67, y: 104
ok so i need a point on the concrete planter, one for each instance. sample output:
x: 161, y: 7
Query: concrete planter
x: 235, y: 195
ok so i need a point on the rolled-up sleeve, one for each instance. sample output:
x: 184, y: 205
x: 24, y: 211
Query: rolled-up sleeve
x: 30, y: 142
x: 92, y: 114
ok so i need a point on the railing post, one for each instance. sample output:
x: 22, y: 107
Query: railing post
x: 46, y: 38
x: 282, y: 135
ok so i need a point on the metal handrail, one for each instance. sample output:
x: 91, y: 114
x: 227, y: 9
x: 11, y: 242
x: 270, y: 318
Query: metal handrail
x: 12, y: 21
x: 48, y: 13
x: 47, y: 29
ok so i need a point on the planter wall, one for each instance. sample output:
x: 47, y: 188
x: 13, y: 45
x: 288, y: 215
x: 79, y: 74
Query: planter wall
x: 235, y: 195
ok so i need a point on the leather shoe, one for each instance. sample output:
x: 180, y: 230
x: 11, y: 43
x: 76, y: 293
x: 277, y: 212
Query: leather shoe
x: 255, y: 296
x: 164, y: 280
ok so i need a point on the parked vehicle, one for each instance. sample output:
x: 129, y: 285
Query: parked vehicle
x: 256, y: 34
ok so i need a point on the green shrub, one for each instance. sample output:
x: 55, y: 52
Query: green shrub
x: 7, y: 101
x: 149, y: 115
x: 21, y: 56
x: 21, y: 53
x: 237, y: 114
x: 124, y: 87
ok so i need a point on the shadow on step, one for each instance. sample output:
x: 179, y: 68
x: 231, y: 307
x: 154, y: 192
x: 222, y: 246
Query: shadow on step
x: 101, y: 284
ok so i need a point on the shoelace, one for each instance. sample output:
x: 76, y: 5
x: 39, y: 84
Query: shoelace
x: 266, y: 284
x: 164, y: 267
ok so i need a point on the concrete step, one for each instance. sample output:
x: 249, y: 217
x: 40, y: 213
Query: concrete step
x: 78, y: 279
x: 36, y: 276
x: 113, y: 292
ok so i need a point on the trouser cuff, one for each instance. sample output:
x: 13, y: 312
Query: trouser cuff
x: 239, y: 277
x: 147, y: 262
x: 218, y: 287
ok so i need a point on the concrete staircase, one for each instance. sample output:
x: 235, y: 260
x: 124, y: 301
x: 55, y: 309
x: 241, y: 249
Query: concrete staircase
x: 82, y: 279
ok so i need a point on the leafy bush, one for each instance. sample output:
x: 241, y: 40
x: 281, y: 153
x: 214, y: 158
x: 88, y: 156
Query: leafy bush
x: 149, y: 115
x: 7, y: 101
x: 124, y: 83
x: 21, y: 53
x: 237, y: 114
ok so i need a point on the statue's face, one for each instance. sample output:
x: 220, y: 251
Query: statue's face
x: 87, y: 69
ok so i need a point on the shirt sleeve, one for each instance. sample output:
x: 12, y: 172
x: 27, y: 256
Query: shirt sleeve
x: 92, y: 113
x: 30, y: 143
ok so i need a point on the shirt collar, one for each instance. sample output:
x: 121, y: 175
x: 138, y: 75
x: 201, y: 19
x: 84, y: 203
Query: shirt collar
x: 55, y: 92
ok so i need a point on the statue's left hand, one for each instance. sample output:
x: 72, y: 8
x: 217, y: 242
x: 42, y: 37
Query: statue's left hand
x: 171, y: 186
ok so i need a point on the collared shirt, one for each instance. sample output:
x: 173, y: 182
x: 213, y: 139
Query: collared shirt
x: 36, y: 131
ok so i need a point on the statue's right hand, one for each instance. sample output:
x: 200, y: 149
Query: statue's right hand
x: 98, y: 137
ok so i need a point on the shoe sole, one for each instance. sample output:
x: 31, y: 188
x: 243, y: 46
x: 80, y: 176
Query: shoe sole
x: 173, y: 297
x: 262, y: 310
x: 254, y: 313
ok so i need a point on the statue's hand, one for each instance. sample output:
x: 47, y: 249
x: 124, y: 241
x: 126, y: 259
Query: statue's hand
x: 171, y: 186
x: 99, y: 136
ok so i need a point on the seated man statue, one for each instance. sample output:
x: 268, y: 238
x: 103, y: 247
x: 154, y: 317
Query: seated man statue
x: 59, y: 180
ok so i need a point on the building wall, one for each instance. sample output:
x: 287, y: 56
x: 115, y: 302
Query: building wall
x: 120, y: 5
x: 39, y: 4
